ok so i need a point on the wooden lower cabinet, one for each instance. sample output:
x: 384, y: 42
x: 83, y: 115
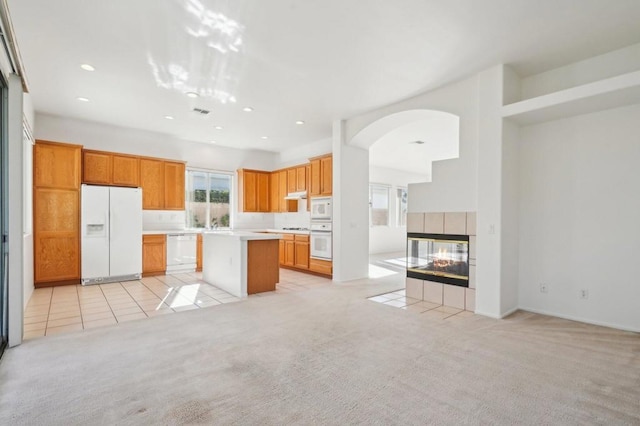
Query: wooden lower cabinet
x: 262, y: 266
x: 199, y: 253
x: 154, y: 254
x: 289, y: 250
x: 321, y: 266
x: 301, y: 252
x: 281, y: 252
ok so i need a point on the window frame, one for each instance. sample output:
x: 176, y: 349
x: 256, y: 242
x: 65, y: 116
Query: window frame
x: 209, y: 172
x: 386, y: 187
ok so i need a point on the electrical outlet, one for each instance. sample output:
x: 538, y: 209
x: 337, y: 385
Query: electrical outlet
x: 544, y: 288
x: 584, y: 293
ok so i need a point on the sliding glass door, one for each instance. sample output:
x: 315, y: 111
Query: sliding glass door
x: 4, y: 219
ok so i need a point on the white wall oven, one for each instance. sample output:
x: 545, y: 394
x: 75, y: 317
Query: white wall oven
x: 321, y: 238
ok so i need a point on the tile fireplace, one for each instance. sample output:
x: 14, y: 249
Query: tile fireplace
x: 442, y: 258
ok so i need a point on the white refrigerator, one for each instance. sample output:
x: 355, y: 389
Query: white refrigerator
x: 111, y: 234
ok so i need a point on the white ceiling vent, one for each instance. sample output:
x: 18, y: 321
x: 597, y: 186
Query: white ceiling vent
x: 418, y: 142
x: 201, y: 111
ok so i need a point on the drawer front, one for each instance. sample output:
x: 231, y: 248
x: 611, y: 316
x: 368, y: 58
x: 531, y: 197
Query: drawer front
x: 321, y: 266
x: 153, y: 238
x: 302, y: 238
x: 289, y: 237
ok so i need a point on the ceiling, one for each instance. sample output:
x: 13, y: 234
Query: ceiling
x: 289, y: 60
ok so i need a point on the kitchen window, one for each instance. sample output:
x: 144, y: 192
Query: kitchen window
x: 401, y: 217
x: 208, y: 199
x: 378, y: 205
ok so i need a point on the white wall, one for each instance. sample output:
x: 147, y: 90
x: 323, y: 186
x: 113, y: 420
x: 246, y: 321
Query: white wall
x: 301, y: 154
x: 385, y: 239
x: 350, y: 208
x: 610, y: 64
x: 579, y: 226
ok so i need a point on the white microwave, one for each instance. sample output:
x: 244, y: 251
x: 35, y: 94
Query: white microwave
x: 321, y: 208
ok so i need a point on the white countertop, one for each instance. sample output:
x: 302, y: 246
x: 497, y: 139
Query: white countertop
x: 243, y: 235
x: 202, y: 230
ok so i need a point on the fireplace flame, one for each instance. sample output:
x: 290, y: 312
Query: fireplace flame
x: 442, y: 259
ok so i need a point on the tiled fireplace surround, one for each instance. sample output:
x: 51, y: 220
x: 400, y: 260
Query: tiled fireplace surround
x: 460, y: 223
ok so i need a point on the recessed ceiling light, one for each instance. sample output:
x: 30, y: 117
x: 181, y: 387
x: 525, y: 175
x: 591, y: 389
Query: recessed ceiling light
x: 192, y: 94
x: 247, y: 109
x: 299, y: 122
x: 264, y: 137
x: 87, y: 67
x: 168, y: 117
x: 213, y: 142
x: 81, y: 99
x: 218, y: 127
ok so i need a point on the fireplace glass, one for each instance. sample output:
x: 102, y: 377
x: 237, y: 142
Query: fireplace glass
x: 442, y: 258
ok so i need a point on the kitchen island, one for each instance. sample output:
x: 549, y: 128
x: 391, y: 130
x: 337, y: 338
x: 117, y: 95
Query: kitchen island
x: 240, y: 262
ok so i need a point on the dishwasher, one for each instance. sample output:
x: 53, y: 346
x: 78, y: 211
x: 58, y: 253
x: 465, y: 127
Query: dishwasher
x: 181, y: 253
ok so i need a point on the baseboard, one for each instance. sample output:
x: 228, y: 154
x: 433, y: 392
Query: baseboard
x: 579, y: 319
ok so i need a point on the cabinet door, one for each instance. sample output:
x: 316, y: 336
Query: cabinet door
x: 291, y: 180
x: 249, y: 188
x: 302, y: 255
x: 326, y: 183
x: 274, y: 190
x: 308, y: 185
x: 262, y: 194
x: 173, y: 186
x: 56, y: 234
x: 56, y: 165
x: 152, y: 183
x: 283, y: 190
x: 126, y: 170
x: 96, y: 167
x: 301, y: 178
x: 289, y: 250
x: 199, y: 252
x: 315, y: 177
x: 154, y: 254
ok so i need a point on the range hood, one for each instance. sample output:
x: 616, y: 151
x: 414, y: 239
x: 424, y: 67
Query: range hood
x: 296, y: 195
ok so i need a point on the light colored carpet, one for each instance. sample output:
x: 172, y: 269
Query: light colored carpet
x: 325, y: 356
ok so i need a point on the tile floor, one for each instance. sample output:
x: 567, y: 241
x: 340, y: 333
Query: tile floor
x: 398, y: 299
x: 53, y: 310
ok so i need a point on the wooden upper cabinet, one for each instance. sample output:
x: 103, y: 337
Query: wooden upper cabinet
x: 326, y: 175
x: 254, y: 191
x: 315, y: 177
x: 56, y: 165
x: 283, y: 190
x: 125, y: 170
x: 263, y: 195
x: 301, y: 178
x: 274, y: 192
x: 97, y: 167
x: 173, y: 185
x: 152, y: 183
x: 291, y: 180
x: 321, y: 176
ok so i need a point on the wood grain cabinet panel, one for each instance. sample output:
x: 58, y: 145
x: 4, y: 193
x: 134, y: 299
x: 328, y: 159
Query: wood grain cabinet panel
x: 315, y: 177
x: 281, y: 251
x: 291, y: 180
x: 152, y: 183
x: 199, y: 252
x: 56, y: 165
x: 97, y: 167
x: 289, y: 250
x: 125, y: 170
x: 173, y: 186
x: 274, y: 192
x: 301, y: 178
x: 301, y: 251
x: 56, y: 213
x: 326, y: 175
x: 283, y: 190
x: 154, y: 254
x: 254, y: 191
x: 57, y: 257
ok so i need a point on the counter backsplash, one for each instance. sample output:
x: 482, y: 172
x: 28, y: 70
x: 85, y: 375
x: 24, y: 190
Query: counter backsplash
x: 154, y: 220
